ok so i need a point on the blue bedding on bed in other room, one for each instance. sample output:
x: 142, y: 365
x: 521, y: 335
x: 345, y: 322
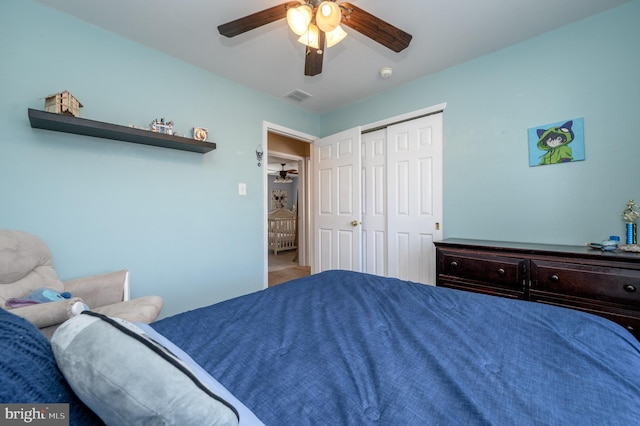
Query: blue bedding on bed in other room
x: 342, y: 348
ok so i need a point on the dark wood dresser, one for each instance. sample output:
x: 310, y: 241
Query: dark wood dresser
x: 577, y: 277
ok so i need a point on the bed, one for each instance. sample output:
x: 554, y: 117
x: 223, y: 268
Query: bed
x: 345, y: 348
x: 282, y: 225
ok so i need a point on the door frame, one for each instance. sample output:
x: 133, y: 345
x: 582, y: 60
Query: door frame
x: 403, y: 117
x: 305, y: 194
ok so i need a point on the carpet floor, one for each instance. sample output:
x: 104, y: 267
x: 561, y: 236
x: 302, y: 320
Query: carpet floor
x: 282, y: 268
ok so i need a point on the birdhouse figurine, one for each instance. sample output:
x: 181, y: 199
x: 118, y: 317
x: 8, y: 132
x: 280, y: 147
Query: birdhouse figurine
x: 63, y: 103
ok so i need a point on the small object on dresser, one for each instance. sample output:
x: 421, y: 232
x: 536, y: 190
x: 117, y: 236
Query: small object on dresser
x: 631, y: 233
x: 200, y: 133
x: 606, y: 245
x: 630, y: 215
x: 63, y: 103
x: 609, y: 245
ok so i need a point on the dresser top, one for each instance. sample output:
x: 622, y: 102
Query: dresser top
x: 535, y: 248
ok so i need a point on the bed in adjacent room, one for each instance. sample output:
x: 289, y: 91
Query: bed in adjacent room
x: 346, y: 348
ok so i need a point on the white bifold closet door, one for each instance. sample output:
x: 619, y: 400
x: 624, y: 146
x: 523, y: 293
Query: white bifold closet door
x: 414, y: 198
x: 336, y: 196
x: 378, y: 200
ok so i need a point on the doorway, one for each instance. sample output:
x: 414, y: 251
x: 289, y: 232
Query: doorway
x: 286, y: 176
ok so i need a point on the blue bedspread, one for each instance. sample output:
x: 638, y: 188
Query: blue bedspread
x: 342, y: 348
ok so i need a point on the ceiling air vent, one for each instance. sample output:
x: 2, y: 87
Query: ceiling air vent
x: 298, y: 95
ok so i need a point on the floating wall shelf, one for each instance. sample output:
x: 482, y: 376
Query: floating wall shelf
x: 82, y: 126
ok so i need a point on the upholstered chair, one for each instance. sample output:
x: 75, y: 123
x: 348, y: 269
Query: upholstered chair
x: 26, y: 266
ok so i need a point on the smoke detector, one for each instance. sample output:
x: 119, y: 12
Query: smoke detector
x: 385, y: 72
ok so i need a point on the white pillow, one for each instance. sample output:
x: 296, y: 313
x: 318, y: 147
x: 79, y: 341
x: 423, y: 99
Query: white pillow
x: 125, y: 377
x: 247, y: 417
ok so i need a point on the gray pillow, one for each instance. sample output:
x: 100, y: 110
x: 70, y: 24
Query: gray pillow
x: 125, y: 377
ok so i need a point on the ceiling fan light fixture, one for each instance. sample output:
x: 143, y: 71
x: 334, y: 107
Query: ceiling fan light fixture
x: 311, y: 38
x: 283, y: 176
x: 299, y: 18
x: 328, y: 16
x: 336, y: 36
x: 283, y: 180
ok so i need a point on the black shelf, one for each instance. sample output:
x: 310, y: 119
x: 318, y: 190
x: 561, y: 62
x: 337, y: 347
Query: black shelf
x: 82, y: 126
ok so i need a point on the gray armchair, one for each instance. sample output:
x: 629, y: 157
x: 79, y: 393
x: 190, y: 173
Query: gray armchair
x: 26, y: 266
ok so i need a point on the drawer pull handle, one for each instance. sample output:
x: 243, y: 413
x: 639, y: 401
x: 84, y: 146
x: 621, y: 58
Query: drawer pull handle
x: 454, y: 263
x: 629, y: 288
x: 501, y: 271
x: 630, y: 328
x: 555, y: 278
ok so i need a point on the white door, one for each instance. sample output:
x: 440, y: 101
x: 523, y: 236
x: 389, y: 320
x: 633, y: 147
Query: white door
x: 336, y: 192
x: 414, y: 192
x: 374, y: 203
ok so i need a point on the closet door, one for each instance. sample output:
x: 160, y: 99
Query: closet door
x: 374, y: 202
x: 337, y: 205
x: 414, y: 193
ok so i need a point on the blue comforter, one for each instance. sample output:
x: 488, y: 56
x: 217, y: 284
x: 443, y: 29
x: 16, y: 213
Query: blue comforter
x: 343, y: 348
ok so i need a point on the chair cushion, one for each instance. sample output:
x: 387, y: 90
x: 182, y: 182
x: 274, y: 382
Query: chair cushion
x: 28, y: 370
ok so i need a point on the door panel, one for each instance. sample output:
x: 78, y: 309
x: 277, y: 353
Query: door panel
x: 414, y: 213
x: 337, y: 191
x: 374, y: 203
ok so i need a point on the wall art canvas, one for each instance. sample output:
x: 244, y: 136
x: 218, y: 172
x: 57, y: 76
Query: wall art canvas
x: 556, y: 143
x: 278, y: 199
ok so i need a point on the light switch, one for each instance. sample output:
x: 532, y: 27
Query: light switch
x: 242, y: 189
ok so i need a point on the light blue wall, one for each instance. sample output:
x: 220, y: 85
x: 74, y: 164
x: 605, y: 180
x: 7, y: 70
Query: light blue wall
x: 173, y: 218
x: 590, y: 69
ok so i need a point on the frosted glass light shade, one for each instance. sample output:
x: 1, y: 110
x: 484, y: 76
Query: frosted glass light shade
x: 328, y: 16
x: 336, y: 36
x: 299, y: 18
x: 311, y: 37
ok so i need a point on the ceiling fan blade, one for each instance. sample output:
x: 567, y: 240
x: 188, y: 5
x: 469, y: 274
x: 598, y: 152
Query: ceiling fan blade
x: 374, y: 28
x: 313, y: 57
x: 255, y: 20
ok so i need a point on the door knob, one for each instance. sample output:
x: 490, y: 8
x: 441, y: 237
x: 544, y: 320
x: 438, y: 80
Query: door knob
x: 354, y: 223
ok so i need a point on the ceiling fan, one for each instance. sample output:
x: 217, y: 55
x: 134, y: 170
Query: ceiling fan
x: 283, y: 175
x: 317, y: 22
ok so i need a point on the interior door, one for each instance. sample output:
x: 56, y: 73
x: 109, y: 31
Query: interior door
x: 337, y: 210
x: 414, y: 192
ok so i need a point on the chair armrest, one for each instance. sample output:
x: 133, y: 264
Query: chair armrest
x: 47, y: 314
x: 142, y: 309
x: 100, y: 290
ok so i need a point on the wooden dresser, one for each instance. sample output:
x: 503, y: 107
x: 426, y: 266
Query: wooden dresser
x: 577, y: 277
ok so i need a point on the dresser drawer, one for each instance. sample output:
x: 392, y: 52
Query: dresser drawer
x: 614, y: 285
x: 630, y: 320
x: 495, y: 271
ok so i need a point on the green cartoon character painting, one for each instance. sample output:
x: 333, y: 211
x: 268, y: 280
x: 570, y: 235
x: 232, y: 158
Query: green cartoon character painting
x: 555, y: 141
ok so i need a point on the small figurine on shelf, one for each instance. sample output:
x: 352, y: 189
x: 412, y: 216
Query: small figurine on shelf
x: 160, y: 126
x: 63, y: 103
x: 200, y: 133
x: 630, y: 215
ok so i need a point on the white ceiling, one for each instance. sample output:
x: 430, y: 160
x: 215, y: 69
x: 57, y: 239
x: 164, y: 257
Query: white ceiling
x: 445, y: 33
